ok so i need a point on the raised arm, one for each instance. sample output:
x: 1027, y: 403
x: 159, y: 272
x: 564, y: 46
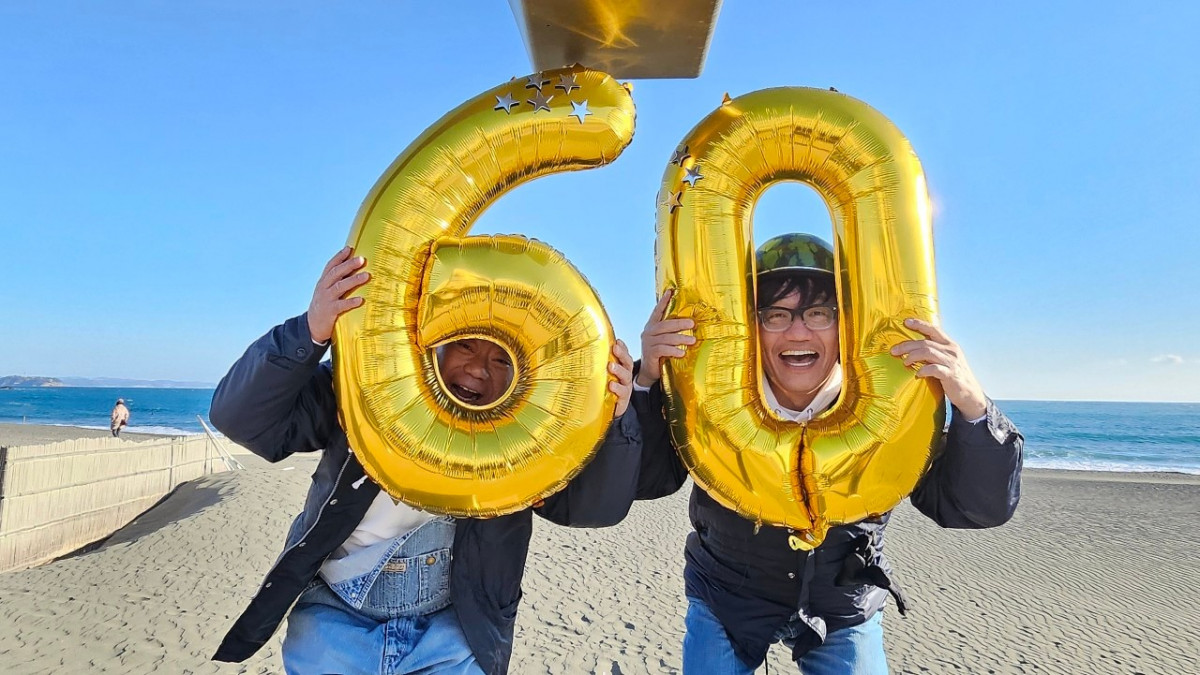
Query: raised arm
x: 277, y: 398
x: 662, y: 472
x: 975, y: 481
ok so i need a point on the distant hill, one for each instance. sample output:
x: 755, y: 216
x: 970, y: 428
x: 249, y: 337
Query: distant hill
x: 14, y: 381
x: 121, y: 382
x: 20, y: 381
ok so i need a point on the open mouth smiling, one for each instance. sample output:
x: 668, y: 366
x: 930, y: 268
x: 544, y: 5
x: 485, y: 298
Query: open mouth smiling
x: 799, y: 358
x: 465, y: 394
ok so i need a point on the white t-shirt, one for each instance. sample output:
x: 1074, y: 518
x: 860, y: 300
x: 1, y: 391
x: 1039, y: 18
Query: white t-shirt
x: 384, y: 520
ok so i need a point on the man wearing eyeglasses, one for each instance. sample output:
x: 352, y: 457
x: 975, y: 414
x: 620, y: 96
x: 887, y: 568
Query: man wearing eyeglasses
x: 746, y: 587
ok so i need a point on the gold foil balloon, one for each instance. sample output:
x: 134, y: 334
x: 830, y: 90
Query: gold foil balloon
x: 431, y: 284
x: 866, y: 454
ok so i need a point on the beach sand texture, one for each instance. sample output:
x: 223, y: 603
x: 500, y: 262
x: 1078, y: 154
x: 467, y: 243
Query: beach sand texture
x: 37, y: 434
x: 1096, y: 574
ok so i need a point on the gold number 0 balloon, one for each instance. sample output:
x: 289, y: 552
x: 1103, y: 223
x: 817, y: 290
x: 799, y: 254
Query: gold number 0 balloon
x: 866, y: 454
x: 431, y: 285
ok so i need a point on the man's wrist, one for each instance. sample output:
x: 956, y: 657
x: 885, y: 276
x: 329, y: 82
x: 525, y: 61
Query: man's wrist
x: 974, y: 413
x: 640, y: 384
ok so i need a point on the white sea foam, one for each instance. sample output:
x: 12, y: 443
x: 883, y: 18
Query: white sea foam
x: 166, y: 431
x: 161, y: 431
x: 1095, y: 465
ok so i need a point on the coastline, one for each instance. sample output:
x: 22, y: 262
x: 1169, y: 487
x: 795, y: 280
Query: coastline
x: 14, y: 434
x: 1163, y: 477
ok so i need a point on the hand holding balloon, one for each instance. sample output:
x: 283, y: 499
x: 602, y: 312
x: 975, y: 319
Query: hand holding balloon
x: 943, y: 359
x: 622, y: 369
x: 662, y: 338
x: 328, y: 300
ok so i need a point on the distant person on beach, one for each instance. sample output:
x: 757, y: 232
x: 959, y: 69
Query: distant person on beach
x: 119, y: 417
x: 745, y: 585
x: 362, y: 580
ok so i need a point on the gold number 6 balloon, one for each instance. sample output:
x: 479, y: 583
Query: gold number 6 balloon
x: 868, y: 452
x: 431, y: 284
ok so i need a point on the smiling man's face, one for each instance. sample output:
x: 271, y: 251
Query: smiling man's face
x: 476, y: 371
x: 799, y: 360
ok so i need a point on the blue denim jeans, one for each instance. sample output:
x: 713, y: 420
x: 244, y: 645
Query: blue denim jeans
x: 857, y: 650
x: 382, y: 616
x: 402, y: 576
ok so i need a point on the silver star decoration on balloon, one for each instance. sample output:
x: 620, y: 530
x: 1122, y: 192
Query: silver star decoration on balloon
x: 505, y: 103
x: 680, y: 156
x: 536, y: 81
x: 566, y: 83
x: 693, y: 175
x: 672, y: 201
x: 540, y: 102
x: 580, y: 110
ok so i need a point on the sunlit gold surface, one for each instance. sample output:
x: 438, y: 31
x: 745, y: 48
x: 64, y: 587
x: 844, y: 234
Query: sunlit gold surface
x: 867, y: 453
x: 432, y: 283
x: 627, y: 38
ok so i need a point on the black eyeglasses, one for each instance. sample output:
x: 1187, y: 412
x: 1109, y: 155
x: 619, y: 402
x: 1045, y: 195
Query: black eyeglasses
x: 815, y: 317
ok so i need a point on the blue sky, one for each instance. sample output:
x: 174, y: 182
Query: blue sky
x: 173, y: 176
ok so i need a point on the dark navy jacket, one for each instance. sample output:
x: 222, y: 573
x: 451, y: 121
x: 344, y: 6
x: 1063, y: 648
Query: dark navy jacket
x: 754, y: 582
x: 278, y: 399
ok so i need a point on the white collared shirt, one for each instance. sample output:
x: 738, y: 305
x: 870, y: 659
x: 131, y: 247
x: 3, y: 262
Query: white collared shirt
x: 826, y: 396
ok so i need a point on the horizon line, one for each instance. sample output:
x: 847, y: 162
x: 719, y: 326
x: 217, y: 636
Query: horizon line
x: 144, y: 384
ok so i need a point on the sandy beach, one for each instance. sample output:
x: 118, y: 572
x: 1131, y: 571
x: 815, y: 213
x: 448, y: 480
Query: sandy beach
x: 1094, y: 575
x: 37, y: 434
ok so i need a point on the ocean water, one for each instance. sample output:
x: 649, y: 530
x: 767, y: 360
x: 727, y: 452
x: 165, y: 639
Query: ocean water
x: 151, y: 411
x: 1058, y: 434
x: 1109, y: 436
